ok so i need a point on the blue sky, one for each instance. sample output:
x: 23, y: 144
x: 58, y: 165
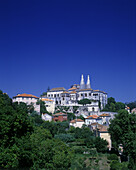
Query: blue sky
x: 51, y: 43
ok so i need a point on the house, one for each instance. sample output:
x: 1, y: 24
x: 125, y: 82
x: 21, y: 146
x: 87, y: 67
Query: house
x: 127, y: 108
x: 104, y: 134
x: 133, y: 110
x: 60, y: 117
x: 29, y: 99
x: 92, y: 119
x: 105, y: 118
x: 46, y: 117
x: 77, y: 123
x: 49, y: 104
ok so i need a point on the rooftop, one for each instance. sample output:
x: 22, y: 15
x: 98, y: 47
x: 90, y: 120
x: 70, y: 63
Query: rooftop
x: 58, y: 89
x: 92, y: 117
x: 26, y: 95
x: 76, y: 120
x: 47, y: 100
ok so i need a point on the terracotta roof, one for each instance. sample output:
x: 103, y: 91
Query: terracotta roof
x: 85, y: 89
x: 92, y: 117
x: 104, y: 115
x: 47, y: 100
x: 103, y: 129
x: 26, y: 95
x: 66, y: 92
x: 57, y: 114
x: 73, y: 88
x: 76, y: 120
x: 99, y: 91
x: 58, y: 89
x: 73, y: 92
x: 95, y: 123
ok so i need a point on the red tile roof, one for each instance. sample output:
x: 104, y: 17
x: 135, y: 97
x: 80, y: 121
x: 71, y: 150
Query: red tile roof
x: 92, y: 117
x: 47, y: 100
x: 76, y: 120
x: 26, y: 95
x: 104, y: 115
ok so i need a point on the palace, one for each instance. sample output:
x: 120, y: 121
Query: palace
x: 70, y: 97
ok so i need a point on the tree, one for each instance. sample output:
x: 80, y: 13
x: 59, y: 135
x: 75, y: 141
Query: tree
x: 15, y: 126
x: 131, y: 105
x: 42, y: 106
x: 75, y: 108
x: 123, y: 131
x: 113, y: 106
x: 101, y: 144
x: 84, y: 101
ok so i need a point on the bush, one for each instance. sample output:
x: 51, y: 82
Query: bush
x: 112, y: 157
x: 65, y: 137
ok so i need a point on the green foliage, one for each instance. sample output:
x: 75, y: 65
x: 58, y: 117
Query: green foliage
x: 112, y: 157
x: 101, y: 144
x: 75, y: 108
x: 84, y: 102
x: 122, y: 130
x: 36, y: 119
x: 132, y: 105
x: 56, y: 127
x: 70, y: 116
x: 42, y: 106
x: 117, y: 165
x: 65, y: 137
x: 52, y: 154
x: 15, y: 125
x: 113, y: 106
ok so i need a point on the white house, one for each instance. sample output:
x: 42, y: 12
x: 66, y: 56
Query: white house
x: 50, y: 104
x: 93, y: 119
x: 77, y: 123
x: 28, y: 99
x: 46, y: 117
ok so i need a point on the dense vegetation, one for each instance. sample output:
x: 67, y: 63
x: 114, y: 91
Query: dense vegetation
x: 26, y: 141
x: 113, y: 106
x: 123, y: 134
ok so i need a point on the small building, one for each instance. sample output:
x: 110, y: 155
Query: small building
x: 60, y: 117
x: 127, y: 108
x: 105, y: 118
x: 49, y: 104
x: 29, y: 99
x: 92, y: 119
x: 104, y: 134
x: 77, y: 123
x: 133, y: 110
x: 46, y: 117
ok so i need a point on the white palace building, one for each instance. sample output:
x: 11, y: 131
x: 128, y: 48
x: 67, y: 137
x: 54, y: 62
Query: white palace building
x: 70, y: 97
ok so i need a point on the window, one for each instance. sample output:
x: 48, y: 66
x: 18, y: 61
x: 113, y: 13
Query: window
x: 89, y: 94
x: 54, y: 95
x: 63, y: 98
x: 93, y: 109
x: 85, y: 94
x: 81, y: 94
x: 95, y: 94
x: 58, y: 95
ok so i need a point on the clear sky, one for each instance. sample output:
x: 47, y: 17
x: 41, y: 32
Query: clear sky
x: 51, y: 43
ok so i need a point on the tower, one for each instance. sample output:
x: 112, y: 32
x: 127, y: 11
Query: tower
x: 88, y: 85
x: 82, y: 83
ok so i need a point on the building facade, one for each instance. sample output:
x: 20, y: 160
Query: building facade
x: 29, y: 99
x: 70, y: 97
